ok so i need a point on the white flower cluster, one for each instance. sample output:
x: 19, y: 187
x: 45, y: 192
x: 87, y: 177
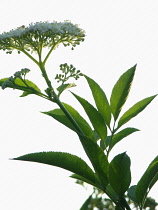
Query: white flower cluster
x: 41, y: 34
x: 13, y: 33
x: 56, y: 28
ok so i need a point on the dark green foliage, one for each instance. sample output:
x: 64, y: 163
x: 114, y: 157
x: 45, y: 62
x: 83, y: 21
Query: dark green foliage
x: 82, y: 179
x: 59, y: 115
x: 100, y: 100
x: 120, y: 174
x: 120, y: 135
x: 147, y: 181
x: 112, y: 178
x: 97, y: 139
x: 134, y: 110
x: 62, y: 160
x: 85, y: 206
x: 120, y: 91
x: 97, y: 201
x: 150, y: 203
x: 94, y: 116
x: 98, y: 159
x: 131, y: 194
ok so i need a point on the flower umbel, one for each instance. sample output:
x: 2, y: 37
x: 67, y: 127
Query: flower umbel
x: 41, y: 34
x: 34, y: 38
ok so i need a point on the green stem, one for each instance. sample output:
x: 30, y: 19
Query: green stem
x: 112, y: 133
x: 112, y: 198
x: 55, y: 97
x: 32, y: 58
x: 126, y: 204
x: 66, y: 112
x: 44, y: 74
x: 50, y: 51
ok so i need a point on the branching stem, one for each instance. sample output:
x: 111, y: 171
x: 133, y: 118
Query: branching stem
x: 66, y: 112
x: 31, y: 57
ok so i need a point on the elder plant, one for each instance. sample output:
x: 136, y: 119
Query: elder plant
x: 104, y: 129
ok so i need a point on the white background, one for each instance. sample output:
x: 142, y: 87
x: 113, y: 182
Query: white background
x: 119, y: 34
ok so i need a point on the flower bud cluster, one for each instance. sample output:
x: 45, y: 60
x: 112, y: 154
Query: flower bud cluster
x: 10, y: 82
x: 21, y: 73
x: 67, y: 72
x: 41, y: 34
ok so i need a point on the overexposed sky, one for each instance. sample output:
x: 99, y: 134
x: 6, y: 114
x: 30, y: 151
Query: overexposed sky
x: 119, y: 34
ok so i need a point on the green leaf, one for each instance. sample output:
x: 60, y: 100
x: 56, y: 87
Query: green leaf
x: 100, y: 99
x: 63, y: 87
x: 154, y: 180
x: 112, y: 193
x: 86, y: 203
x: 107, y: 142
x: 81, y: 178
x: 134, y: 110
x: 28, y: 88
x: 120, y: 91
x: 19, y: 82
x: 11, y: 85
x: 94, y: 116
x: 96, y: 137
x: 31, y: 85
x: 3, y: 80
x: 103, y: 144
x: 120, y: 135
x: 63, y: 160
x: 119, y: 173
x: 97, y: 158
x: 147, y: 181
x: 132, y: 194
x: 59, y: 115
